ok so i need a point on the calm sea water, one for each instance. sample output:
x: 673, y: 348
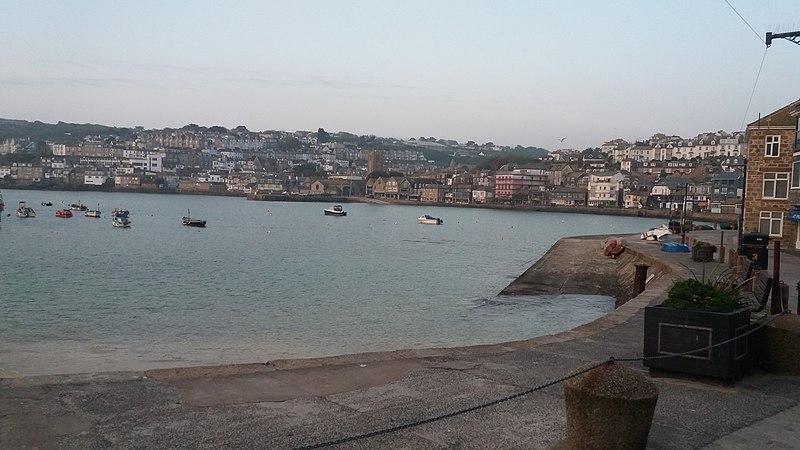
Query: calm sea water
x: 268, y: 280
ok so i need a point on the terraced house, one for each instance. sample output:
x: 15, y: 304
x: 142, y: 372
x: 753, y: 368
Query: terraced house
x: 772, y: 190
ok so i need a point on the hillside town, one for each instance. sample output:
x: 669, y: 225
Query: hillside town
x: 704, y: 173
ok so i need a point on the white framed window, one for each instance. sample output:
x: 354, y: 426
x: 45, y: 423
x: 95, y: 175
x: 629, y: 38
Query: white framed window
x: 776, y: 185
x: 796, y: 175
x: 773, y: 146
x: 771, y: 223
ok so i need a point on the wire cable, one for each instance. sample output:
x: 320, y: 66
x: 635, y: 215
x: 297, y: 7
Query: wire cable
x: 746, y: 23
x: 744, y: 119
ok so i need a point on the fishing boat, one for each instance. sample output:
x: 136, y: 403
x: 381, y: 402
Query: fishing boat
x: 335, y: 210
x: 64, y: 213
x: 425, y: 219
x: 120, y: 213
x: 24, y: 211
x: 47, y: 203
x: 79, y: 207
x: 188, y: 221
x: 93, y: 212
x: 121, y: 222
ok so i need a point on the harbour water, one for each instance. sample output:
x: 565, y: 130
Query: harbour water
x: 268, y: 280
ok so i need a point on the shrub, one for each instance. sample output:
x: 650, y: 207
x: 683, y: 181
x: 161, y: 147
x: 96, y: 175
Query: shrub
x: 718, y: 294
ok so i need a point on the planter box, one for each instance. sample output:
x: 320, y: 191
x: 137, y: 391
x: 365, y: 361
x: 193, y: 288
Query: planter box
x: 670, y: 331
x: 702, y: 254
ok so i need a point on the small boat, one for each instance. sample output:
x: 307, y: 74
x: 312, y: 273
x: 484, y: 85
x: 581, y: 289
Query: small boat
x: 614, y: 247
x: 121, y: 222
x: 79, y: 207
x: 120, y: 213
x: 336, y: 210
x: 47, y: 203
x: 24, y: 211
x: 188, y: 221
x: 64, y: 213
x: 655, y: 234
x: 2, y: 205
x: 430, y: 220
x: 93, y: 212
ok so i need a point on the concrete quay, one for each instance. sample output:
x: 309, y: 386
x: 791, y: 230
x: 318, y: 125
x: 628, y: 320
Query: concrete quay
x: 297, y: 403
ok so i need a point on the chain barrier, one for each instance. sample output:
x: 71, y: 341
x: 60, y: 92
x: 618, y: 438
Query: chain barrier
x: 611, y: 360
x: 455, y: 413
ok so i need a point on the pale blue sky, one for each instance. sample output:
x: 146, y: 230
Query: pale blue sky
x: 510, y: 72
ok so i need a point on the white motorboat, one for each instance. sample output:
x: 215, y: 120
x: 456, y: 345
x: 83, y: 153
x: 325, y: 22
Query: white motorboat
x: 655, y: 234
x: 426, y: 219
x: 335, y: 210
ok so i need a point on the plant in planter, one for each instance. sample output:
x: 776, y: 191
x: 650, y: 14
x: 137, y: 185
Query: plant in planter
x: 703, y: 251
x: 697, y: 314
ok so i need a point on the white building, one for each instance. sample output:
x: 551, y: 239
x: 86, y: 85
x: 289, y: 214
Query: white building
x: 604, y: 188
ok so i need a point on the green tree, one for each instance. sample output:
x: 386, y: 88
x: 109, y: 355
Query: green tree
x: 323, y: 136
x: 289, y: 143
x: 309, y: 170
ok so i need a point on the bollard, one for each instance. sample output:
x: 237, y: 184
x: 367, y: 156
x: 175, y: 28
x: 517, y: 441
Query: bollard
x: 640, y: 278
x: 610, y: 407
x: 776, y: 276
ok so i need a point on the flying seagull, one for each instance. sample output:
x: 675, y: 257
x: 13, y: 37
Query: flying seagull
x: 562, y: 139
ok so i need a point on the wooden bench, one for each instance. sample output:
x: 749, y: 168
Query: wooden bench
x: 757, y: 298
x: 746, y: 273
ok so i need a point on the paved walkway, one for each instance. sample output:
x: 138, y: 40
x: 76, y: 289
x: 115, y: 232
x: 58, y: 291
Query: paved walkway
x: 295, y: 403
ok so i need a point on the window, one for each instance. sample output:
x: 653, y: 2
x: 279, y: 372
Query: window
x: 773, y: 147
x: 776, y: 185
x: 796, y: 175
x: 797, y: 140
x: 770, y: 223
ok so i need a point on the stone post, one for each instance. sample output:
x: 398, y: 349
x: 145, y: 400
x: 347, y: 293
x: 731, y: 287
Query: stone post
x: 779, y: 345
x: 611, y: 407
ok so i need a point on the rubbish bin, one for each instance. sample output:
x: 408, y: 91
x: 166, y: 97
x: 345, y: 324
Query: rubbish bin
x: 755, y: 248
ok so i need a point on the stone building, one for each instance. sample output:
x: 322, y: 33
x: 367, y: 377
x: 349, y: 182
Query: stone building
x: 771, y: 144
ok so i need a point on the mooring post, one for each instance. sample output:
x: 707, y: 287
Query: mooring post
x: 721, y: 247
x: 640, y: 278
x: 777, y: 295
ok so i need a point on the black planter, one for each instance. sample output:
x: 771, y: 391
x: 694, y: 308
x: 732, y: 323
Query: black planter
x: 670, y: 331
x: 702, y: 254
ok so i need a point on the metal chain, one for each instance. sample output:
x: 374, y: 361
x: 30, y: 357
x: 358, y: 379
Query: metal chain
x: 454, y: 413
x: 611, y: 360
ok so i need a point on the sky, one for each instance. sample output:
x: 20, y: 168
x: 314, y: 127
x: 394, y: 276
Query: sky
x: 510, y: 72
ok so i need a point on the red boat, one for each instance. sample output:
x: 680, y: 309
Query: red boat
x: 63, y: 213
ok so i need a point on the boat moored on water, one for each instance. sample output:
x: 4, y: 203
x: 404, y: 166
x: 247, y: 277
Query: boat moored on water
x: 188, y: 221
x: 79, y: 207
x: 64, y: 213
x: 24, y: 211
x: 121, y: 222
x: 47, y: 203
x: 93, y: 212
x: 335, y: 210
x: 2, y: 205
x: 120, y: 213
x: 426, y: 219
